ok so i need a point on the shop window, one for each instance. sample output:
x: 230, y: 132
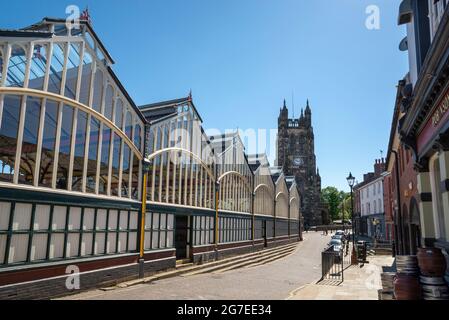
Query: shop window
x: 88, y: 232
x: 98, y: 90
x: 80, y: 146
x: 58, y: 230
x: 64, y: 148
x: 122, y: 236
x: 100, y: 232
x: 155, y: 231
x: 29, y: 143
x: 91, y: 172
x: 104, y: 165
x: 73, y: 63
x: 40, y: 236
x: 56, y: 68
x: 38, y: 67
x: 111, y: 243
x: 8, y: 136
x: 74, y: 226
x: 86, y: 77
x: 16, y: 67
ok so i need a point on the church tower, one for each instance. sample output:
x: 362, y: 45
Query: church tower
x: 296, y: 154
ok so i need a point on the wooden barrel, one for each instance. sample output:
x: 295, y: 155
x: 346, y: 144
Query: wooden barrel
x: 407, y: 287
x: 432, y: 262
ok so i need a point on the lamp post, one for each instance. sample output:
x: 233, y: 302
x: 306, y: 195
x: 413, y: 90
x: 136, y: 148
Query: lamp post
x: 351, y: 181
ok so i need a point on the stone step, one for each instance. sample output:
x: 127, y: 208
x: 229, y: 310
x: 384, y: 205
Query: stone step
x: 260, y: 261
x: 268, y: 261
x: 181, y: 270
x: 241, y: 261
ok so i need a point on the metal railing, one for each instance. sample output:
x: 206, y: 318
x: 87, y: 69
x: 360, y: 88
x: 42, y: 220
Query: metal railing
x: 332, y: 264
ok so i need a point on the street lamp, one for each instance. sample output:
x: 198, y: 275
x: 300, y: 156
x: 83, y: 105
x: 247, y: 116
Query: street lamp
x: 351, y: 181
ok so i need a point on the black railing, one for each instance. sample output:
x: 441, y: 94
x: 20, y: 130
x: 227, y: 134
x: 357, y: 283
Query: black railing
x: 332, y: 263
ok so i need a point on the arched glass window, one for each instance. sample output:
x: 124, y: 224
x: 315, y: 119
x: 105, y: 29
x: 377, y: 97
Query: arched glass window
x: 64, y: 148
x: 8, y: 136
x: 29, y: 143
x: 109, y: 102
x: 104, y: 166
x: 16, y: 67
x: 1, y: 63
x: 138, y: 139
x: 38, y: 67
x: 80, y: 144
x: 48, y: 144
x: 128, y: 124
x: 135, y: 178
x: 86, y: 77
x: 91, y: 174
x: 56, y: 68
x: 98, y: 90
x: 73, y: 63
x: 126, y: 170
x: 119, y: 113
x: 115, y: 165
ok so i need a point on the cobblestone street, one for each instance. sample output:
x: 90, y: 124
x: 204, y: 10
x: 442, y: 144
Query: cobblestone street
x: 276, y: 280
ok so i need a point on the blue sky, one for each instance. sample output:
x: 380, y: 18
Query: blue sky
x: 241, y: 58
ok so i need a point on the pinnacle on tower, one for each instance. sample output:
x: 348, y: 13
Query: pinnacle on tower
x: 308, y: 110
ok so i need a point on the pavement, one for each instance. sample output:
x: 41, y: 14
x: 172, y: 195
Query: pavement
x: 360, y: 283
x: 273, y: 281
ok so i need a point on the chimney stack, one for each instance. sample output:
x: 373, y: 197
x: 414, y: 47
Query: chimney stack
x: 379, y: 166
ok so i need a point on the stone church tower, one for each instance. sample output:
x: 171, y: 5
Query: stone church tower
x: 296, y: 154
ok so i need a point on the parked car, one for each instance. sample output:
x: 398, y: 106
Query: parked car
x: 338, y: 245
x: 340, y: 237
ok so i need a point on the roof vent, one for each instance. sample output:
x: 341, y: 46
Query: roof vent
x: 403, y: 46
x: 405, y: 12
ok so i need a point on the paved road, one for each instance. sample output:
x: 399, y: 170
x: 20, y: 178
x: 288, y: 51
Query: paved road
x: 273, y: 281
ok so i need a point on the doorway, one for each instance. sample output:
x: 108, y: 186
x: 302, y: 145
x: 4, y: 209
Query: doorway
x: 264, y: 233
x: 182, y: 237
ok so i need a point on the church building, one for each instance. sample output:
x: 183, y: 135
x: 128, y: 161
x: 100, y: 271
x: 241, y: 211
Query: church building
x: 296, y: 154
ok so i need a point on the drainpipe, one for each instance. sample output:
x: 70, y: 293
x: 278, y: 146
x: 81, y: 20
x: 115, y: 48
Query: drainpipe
x: 217, y: 189
x: 145, y: 170
x: 253, y: 197
x: 399, y: 249
x: 274, y: 221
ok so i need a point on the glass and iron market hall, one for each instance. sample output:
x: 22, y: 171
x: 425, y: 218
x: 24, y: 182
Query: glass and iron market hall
x: 74, y: 182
